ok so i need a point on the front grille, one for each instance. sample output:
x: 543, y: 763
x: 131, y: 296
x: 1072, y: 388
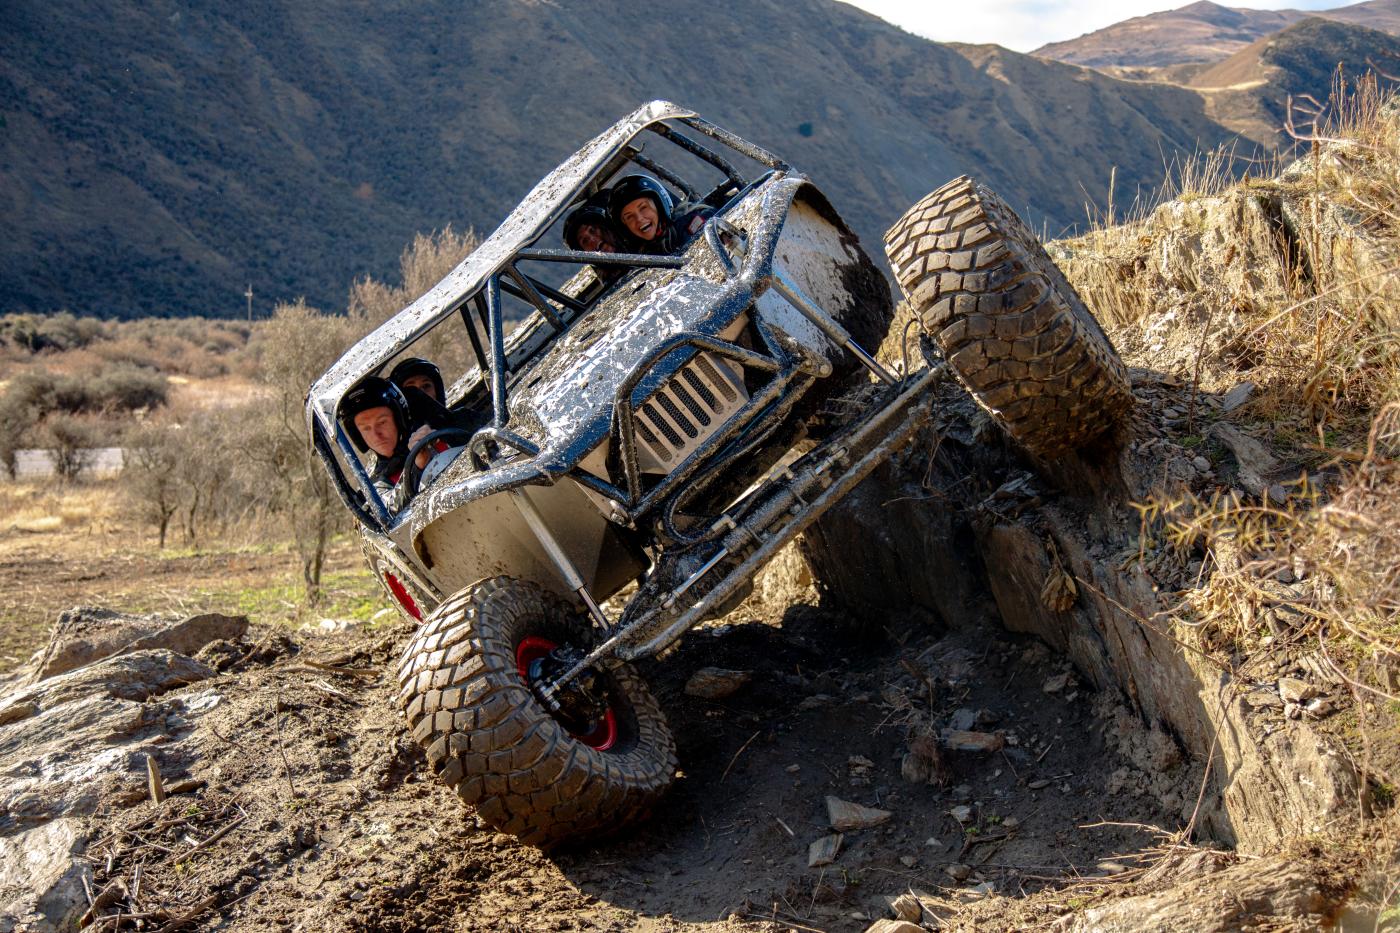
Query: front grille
x: 688, y: 407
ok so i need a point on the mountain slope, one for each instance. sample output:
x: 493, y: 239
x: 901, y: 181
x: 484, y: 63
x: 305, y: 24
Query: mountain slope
x: 157, y: 157
x: 1249, y: 90
x: 1201, y: 32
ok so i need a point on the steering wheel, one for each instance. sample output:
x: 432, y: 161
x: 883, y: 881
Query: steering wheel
x: 413, y: 474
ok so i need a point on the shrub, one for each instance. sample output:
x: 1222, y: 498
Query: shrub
x: 70, y: 441
x: 57, y: 332
x: 126, y: 388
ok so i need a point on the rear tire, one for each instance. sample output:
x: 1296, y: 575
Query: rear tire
x: 489, y: 738
x: 1009, y: 324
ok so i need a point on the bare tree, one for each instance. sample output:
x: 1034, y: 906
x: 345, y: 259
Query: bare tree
x: 70, y: 441
x: 149, y: 475
x: 295, y: 347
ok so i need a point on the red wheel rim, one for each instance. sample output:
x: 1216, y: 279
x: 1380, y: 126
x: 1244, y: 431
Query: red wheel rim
x: 402, y: 595
x: 533, y: 647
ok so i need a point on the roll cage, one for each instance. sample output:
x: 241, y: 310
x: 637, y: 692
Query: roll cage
x: 476, y: 288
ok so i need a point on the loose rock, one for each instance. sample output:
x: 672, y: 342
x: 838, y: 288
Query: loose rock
x: 893, y: 926
x: 907, y: 907
x: 1294, y: 690
x: 824, y: 850
x: 1237, y: 396
x: 973, y: 741
x: 844, y: 815
x: 958, y: 872
x: 716, y: 683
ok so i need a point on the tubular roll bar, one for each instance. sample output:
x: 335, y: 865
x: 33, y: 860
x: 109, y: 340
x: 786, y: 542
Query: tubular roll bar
x: 665, y: 174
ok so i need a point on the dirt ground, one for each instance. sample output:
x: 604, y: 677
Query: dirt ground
x: 333, y: 821
x: 64, y: 546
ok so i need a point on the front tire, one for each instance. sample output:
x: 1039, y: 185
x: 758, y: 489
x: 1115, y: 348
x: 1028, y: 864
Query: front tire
x: 465, y: 693
x: 1009, y: 324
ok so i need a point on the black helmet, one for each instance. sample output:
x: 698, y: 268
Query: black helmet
x: 594, y: 211
x: 373, y: 392
x: 417, y: 366
x: 633, y: 187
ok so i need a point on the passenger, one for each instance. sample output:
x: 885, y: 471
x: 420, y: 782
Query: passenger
x: 376, y: 417
x: 418, y: 373
x: 590, y: 229
x: 643, y: 207
x: 421, y: 383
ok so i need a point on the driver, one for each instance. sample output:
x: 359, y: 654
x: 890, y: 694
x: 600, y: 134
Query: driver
x: 643, y: 207
x: 375, y: 416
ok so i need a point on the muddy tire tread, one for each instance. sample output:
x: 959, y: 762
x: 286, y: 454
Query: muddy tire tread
x: 488, y: 739
x: 1010, y: 325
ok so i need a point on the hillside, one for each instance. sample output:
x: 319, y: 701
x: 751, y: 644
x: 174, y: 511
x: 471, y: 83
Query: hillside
x: 1201, y: 32
x: 156, y: 158
x: 1249, y: 90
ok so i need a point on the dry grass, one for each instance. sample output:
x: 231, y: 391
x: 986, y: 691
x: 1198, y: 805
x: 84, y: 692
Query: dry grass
x: 1330, y: 362
x: 1291, y: 281
x: 33, y: 508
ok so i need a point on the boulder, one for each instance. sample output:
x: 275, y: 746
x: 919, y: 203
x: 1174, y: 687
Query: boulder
x: 1262, y: 894
x: 41, y: 877
x: 84, y: 635
x: 84, y: 730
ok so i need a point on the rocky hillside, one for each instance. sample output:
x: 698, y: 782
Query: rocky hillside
x: 155, y: 158
x: 1201, y: 32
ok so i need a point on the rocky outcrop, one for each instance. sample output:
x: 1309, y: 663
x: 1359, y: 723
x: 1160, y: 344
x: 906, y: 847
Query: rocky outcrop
x: 1052, y: 550
x: 100, y: 708
x: 1254, y: 895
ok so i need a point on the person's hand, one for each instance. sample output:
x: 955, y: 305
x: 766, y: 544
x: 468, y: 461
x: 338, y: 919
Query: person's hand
x: 426, y: 453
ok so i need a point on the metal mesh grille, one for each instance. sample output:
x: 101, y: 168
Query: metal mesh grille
x: 662, y: 425
x: 674, y: 411
x: 702, y: 390
x: 645, y: 432
x: 707, y: 369
x: 702, y: 415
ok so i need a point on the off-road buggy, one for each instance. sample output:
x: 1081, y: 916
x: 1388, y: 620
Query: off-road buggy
x: 645, y: 442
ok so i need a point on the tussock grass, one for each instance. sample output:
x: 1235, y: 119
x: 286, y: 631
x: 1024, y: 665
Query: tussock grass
x: 1291, y: 282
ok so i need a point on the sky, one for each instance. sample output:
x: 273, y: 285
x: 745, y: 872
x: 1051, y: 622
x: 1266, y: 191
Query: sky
x: 1024, y: 25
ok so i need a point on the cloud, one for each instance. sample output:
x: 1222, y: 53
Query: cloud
x: 1024, y: 25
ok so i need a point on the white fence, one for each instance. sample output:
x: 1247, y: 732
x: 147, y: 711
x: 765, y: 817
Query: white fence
x: 38, y: 464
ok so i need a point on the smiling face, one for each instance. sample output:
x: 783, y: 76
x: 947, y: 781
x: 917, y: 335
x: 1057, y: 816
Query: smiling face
x: 641, y: 218
x: 423, y: 383
x: 379, y: 429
